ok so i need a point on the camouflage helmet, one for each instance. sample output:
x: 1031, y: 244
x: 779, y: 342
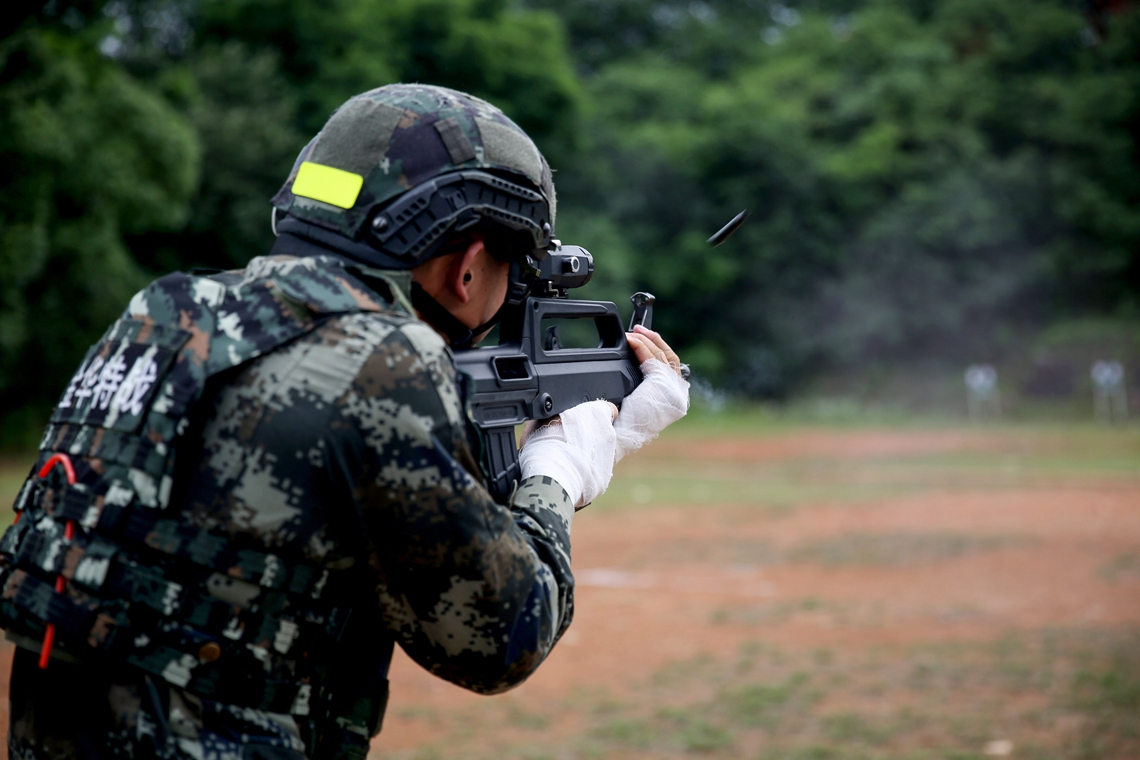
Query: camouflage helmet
x: 400, y: 166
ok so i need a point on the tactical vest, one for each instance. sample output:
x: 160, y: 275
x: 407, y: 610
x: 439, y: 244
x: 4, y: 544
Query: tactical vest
x: 142, y: 586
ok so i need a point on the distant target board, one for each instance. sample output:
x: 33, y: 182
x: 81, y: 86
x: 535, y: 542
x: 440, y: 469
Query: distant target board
x: 983, y: 399
x: 1110, y: 396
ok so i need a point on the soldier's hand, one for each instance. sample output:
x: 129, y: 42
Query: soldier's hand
x: 660, y: 400
x: 576, y: 449
x: 532, y: 426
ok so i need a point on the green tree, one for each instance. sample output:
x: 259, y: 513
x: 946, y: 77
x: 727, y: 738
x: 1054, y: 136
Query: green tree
x: 148, y: 135
x: 88, y: 157
x: 257, y: 78
x: 244, y: 113
x: 333, y: 50
x: 924, y: 176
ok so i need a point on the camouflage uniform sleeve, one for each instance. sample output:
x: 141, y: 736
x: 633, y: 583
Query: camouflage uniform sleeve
x: 475, y: 592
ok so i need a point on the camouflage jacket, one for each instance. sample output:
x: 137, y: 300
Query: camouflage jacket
x: 346, y: 449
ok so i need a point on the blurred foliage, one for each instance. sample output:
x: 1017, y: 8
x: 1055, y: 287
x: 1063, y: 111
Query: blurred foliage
x: 330, y: 51
x: 88, y: 157
x: 923, y: 176
x: 142, y: 136
x: 919, y: 174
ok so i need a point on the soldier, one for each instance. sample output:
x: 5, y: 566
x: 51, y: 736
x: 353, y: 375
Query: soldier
x: 259, y: 481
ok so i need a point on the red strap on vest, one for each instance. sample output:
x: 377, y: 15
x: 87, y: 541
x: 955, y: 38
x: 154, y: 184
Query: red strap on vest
x: 68, y: 533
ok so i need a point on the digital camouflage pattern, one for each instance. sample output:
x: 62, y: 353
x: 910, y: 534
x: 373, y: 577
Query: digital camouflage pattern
x: 324, y: 503
x: 401, y: 135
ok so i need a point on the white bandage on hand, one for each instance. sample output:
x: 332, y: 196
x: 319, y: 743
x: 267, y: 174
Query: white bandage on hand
x: 578, y: 451
x: 660, y: 400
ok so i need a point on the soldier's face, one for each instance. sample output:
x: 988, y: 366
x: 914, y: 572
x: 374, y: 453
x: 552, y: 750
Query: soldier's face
x: 471, y: 284
x: 495, y: 280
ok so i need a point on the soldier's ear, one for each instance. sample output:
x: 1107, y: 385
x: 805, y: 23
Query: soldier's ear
x: 462, y: 271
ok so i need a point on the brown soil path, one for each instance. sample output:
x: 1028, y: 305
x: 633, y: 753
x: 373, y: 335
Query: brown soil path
x: 664, y: 583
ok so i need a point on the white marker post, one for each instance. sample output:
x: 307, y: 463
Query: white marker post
x: 1110, y: 397
x: 982, y: 396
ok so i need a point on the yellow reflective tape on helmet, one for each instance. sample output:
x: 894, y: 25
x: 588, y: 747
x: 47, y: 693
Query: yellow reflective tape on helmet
x: 327, y: 184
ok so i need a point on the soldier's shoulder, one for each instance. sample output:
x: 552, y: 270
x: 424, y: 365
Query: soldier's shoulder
x: 371, y: 354
x: 398, y: 344
x: 429, y: 344
x: 393, y: 326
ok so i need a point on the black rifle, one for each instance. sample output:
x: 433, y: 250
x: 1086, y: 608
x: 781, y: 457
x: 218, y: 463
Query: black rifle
x: 529, y: 375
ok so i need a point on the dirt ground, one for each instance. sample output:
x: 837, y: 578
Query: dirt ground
x: 817, y: 594
x: 919, y: 539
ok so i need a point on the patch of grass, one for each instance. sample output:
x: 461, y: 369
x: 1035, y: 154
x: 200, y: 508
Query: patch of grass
x: 778, y: 483
x: 950, y: 700
x: 684, y: 669
x: 1106, y: 689
x: 848, y: 727
x: 413, y: 713
x: 596, y: 698
x: 695, y: 733
x: 10, y: 482
x: 883, y: 549
x: 749, y: 652
x: 760, y: 704
x: 920, y: 676
x: 736, y: 417
x: 1062, y: 694
x: 775, y: 612
x: 13, y: 470
x: 753, y: 486
x: 971, y: 728
x: 810, y: 752
x: 898, y: 548
x: 528, y: 720
x: 627, y: 732
x: 702, y: 736
x: 1125, y: 565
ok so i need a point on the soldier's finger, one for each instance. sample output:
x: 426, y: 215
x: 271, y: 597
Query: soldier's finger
x: 657, y: 340
x: 667, y: 354
x: 643, y: 348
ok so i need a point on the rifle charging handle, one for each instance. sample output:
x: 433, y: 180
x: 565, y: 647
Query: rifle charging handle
x: 643, y: 315
x: 642, y: 310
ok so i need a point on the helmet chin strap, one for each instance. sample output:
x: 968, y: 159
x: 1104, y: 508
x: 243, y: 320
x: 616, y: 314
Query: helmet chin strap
x: 295, y: 238
x: 459, y: 335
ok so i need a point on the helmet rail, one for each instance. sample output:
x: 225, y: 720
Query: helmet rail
x: 409, y: 228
